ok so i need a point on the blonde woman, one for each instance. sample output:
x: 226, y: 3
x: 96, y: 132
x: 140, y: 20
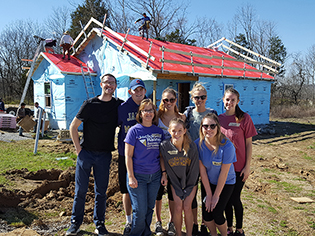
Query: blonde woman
x: 194, y: 115
x: 168, y: 110
x: 216, y: 158
x: 181, y: 163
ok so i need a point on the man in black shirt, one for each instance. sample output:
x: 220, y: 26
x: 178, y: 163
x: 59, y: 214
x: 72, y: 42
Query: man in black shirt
x: 99, y: 116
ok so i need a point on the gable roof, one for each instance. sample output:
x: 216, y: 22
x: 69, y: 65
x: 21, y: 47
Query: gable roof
x: 65, y: 66
x: 177, y: 58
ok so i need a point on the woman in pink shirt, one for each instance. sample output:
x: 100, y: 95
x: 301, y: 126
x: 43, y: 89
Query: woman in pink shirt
x: 239, y: 128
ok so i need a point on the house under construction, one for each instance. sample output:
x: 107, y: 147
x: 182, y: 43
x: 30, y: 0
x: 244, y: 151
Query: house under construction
x: 61, y: 86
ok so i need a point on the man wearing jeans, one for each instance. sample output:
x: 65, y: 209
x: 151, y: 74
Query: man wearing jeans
x: 99, y: 116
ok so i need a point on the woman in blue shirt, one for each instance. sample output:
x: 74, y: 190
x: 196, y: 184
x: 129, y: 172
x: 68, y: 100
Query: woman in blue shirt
x: 216, y: 158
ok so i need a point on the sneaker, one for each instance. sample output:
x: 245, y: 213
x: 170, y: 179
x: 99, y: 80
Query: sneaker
x: 158, y: 228
x: 73, y: 230
x: 230, y: 233
x: 101, y: 230
x: 127, y: 229
x: 195, y: 231
x: 238, y: 233
x: 203, y: 230
x: 171, y: 229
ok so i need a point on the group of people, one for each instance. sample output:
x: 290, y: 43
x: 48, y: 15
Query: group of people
x: 161, y: 149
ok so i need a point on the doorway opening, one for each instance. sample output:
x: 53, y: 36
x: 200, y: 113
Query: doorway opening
x: 183, y: 96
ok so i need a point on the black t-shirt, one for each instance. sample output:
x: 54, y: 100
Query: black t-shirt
x: 99, y: 123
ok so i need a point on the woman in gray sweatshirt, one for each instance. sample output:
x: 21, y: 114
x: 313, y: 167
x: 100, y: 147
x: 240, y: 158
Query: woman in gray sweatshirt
x: 181, y: 160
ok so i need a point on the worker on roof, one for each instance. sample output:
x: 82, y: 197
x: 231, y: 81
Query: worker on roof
x: 66, y: 43
x: 145, y: 20
x: 49, y: 44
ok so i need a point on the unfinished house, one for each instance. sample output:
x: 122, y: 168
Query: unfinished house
x: 159, y: 64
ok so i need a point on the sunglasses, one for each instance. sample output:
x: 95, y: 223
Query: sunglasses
x: 202, y: 97
x: 147, y: 111
x: 212, y: 126
x: 172, y: 100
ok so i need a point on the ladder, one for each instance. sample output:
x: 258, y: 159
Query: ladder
x: 40, y: 48
x: 88, y: 82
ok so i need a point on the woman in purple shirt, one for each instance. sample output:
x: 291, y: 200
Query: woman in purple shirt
x: 144, y: 166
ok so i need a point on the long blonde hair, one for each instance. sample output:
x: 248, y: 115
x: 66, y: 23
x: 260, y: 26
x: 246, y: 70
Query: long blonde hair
x: 161, y: 110
x: 144, y: 102
x: 186, y: 140
x: 219, y: 135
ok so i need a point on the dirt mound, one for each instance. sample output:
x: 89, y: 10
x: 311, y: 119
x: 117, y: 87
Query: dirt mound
x: 52, y: 192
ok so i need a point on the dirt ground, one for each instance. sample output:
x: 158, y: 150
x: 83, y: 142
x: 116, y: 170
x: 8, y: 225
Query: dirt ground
x: 283, y: 166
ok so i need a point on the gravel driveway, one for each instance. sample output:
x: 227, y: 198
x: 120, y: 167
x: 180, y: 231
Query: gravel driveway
x: 9, y: 136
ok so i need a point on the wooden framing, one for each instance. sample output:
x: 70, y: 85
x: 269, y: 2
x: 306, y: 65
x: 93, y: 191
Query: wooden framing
x: 177, y: 77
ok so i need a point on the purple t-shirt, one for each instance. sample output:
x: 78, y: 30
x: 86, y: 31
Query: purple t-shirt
x: 146, y: 142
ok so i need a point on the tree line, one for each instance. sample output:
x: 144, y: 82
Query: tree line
x: 294, y: 83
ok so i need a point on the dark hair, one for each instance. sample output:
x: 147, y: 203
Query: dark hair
x: 187, y: 140
x: 110, y: 75
x: 162, y: 108
x: 218, y: 137
x: 144, y: 102
x: 23, y: 104
x: 239, y: 114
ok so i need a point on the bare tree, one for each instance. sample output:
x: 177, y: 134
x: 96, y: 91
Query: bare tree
x: 16, y: 43
x: 207, y: 31
x: 310, y: 70
x: 292, y: 87
x: 58, y: 22
x: 120, y: 15
x: 163, y: 14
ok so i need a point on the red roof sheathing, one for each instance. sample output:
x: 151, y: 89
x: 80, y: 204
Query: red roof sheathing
x: 67, y: 66
x: 171, y: 67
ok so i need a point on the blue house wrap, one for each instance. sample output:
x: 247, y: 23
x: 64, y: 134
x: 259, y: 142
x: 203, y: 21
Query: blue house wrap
x: 107, y: 53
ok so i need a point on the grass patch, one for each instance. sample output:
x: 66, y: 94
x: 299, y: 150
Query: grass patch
x: 18, y: 217
x: 287, y: 186
x: 273, y: 210
x: 306, y: 157
x: 20, y: 155
x: 283, y: 223
x: 311, y: 224
x: 311, y: 146
x: 298, y: 208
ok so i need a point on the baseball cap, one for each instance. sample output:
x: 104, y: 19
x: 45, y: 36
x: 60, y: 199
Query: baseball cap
x: 136, y: 83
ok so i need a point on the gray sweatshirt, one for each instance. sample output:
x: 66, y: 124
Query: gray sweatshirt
x: 182, y: 170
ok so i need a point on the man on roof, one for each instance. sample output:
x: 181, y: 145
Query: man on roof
x: 66, y: 43
x: 145, y: 20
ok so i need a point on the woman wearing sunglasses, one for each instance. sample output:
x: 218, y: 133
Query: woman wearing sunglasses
x: 239, y: 128
x: 216, y: 158
x: 194, y: 115
x: 180, y: 156
x: 168, y: 110
x: 144, y: 166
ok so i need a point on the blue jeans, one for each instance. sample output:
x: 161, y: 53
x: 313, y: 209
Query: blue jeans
x: 100, y: 161
x: 20, y: 131
x: 143, y: 202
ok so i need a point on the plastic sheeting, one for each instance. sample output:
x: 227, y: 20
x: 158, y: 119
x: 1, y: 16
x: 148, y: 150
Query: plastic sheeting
x: 103, y: 56
x: 67, y: 93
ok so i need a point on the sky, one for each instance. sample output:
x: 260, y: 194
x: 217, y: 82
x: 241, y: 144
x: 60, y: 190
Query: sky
x: 295, y: 19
